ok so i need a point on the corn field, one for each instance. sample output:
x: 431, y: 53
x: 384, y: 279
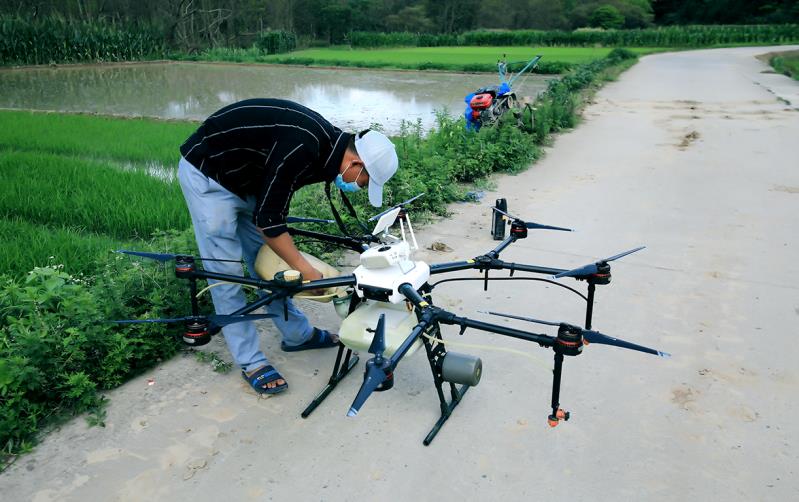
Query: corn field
x: 55, y: 40
x: 669, y: 36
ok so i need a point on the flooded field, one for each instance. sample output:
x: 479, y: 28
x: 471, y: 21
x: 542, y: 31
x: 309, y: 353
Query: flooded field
x: 351, y: 99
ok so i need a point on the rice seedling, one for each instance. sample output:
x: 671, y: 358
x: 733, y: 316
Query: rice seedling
x: 93, y: 196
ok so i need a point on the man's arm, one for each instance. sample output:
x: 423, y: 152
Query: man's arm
x: 283, y: 246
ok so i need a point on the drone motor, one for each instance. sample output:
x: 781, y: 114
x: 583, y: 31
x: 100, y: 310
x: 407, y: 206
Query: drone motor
x: 197, y: 333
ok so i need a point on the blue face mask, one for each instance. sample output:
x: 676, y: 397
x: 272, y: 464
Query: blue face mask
x: 345, y: 186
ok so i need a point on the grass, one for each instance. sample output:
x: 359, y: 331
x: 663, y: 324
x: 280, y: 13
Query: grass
x: 134, y: 141
x: 89, y: 195
x: 787, y: 63
x: 555, y: 59
x: 27, y: 245
x: 457, y: 55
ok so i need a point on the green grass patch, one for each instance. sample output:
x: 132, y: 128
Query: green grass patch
x: 27, y: 245
x: 477, y: 59
x: 57, y: 190
x: 787, y: 63
x: 137, y: 141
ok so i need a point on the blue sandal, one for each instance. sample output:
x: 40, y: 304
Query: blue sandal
x: 264, y: 376
x: 320, y: 339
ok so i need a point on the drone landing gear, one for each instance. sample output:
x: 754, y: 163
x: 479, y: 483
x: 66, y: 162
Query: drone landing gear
x: 340, y: 370
x: 558, y: 414
x: 450, y: 370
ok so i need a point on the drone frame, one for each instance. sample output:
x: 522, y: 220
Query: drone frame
x: 430, y: 318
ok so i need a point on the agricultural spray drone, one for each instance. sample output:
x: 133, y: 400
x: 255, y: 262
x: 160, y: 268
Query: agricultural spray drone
x: 387, y: 307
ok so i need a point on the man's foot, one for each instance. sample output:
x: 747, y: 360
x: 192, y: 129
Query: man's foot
x: 265, y: 380
x: 320, y: 339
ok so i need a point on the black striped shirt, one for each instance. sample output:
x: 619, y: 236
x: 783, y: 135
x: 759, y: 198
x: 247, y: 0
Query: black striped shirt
x: 267, y: 148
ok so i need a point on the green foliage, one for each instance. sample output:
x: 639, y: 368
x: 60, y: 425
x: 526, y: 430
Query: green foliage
x: 787, y: 63
x: 556, y: 60
x: 137, y: 142
x: 276, y: 42
x: 671, y: 36
x: 91, y: 195
x: 56, y: 40
x: 57, y: 350
x: 27, y: 245
x: 607, y: 17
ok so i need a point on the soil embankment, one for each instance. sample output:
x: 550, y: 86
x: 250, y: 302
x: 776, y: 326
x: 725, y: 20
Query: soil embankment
x: 692, y: 154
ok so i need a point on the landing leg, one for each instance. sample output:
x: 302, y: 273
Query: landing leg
x: 435, y: 354
x: 340, y: 370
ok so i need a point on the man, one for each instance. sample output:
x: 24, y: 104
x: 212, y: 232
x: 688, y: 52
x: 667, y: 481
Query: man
x: 238, y: 172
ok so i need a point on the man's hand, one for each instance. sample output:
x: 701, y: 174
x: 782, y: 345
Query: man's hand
x: 283, y: 246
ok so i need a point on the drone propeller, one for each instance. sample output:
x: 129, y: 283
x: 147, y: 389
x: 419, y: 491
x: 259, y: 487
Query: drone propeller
x: 593, y: 268
x: 215, y: 320
x: 294, y: 219
x: 590, y: 336
x: 376, y: 368
x: 165, y: 257
x: 531, y: 224
x: 401, y: 204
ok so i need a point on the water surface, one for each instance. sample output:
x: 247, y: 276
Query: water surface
x: 351, y: 99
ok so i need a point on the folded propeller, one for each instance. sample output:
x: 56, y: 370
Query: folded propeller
x: 594, y: 268
x: 589, y: 336
x: 531, y: 224
x: 165, y: 257
x: 378, y: 368
x: 213, y: 320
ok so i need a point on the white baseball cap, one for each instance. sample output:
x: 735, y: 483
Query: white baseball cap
x: 380, y: 158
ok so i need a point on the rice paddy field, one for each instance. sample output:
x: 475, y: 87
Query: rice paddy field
x: 459, y: 55
x: 473, y: 58
x: 76, y: 187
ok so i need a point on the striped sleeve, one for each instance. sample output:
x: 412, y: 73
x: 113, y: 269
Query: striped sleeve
x: 284, y: 170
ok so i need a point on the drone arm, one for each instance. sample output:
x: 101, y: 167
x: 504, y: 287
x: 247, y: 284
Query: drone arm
x: 530, y: 268
x: 448, y: 318
x: 331, y: 282
x: 445, y: 317
x: 485, y: 261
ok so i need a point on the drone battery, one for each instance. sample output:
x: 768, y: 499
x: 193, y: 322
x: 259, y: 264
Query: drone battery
x: 497, y: 221
x: 481, y: 101
x: 356, y: 330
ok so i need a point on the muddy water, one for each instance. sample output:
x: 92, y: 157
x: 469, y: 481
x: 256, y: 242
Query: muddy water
x: 351, y: 99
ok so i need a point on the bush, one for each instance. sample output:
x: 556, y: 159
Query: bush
x: 57, y: 350
x: 276, y: 42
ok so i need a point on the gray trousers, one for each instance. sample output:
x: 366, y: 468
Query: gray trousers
x: 224, y: 229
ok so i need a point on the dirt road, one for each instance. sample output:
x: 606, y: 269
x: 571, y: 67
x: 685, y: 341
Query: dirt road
x: 693, y: 154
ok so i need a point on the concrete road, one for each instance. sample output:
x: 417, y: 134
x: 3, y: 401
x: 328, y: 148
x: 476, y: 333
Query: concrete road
x: 693, y: 154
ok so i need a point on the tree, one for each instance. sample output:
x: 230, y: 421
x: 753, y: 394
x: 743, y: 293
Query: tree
x: 607, y: 17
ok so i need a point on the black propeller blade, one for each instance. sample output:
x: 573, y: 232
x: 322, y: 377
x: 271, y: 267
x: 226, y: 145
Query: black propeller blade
x: 395, y: 206
x: 296, y: 219
x: 531, y: 224
x: 165, y: 257
x: 215, y: 320
x: 597, y: 337
x: 377, y: 369
x: 593, y: 268
x: 591, y: 336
